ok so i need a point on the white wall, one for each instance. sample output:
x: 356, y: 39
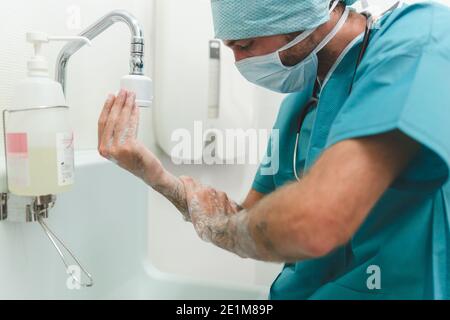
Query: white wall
x: 93, y: 72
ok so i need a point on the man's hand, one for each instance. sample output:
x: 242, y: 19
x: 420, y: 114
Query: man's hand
x: 218, y: 220
x: 117, y: 141
x: 117, y: 138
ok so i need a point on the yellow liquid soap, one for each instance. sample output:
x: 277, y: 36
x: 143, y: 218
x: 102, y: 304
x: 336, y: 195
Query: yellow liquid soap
x: 41, y: 174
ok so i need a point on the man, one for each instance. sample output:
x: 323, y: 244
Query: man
x: 367, y: 217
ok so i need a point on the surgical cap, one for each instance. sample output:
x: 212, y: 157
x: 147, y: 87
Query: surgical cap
x: 243, y: 19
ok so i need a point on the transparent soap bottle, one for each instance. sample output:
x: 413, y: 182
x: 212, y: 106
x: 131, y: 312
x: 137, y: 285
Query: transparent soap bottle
x: 39, y: 137
x: 40, y: 152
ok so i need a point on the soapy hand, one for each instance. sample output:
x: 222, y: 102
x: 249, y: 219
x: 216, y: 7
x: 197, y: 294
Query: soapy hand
x: 215, y: 217
x: 117, y: 141
x: 219, y: 220
x: 117, y: 138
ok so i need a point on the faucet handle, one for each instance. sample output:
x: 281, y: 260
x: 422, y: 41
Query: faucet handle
x: 71, y: 38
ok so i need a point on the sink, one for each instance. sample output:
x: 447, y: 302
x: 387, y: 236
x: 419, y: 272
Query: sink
x: 104, y: 221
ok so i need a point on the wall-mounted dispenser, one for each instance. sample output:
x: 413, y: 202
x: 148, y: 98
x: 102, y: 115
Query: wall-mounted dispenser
x: 196, y: 80
x: 39, y: 147
x: 39, y: 157
x: 39, y: 142
x: 199, y: 93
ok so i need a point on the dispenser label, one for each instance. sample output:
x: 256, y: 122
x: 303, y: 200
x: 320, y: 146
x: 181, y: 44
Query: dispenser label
x: 65, y: 158
x: 18, y: 160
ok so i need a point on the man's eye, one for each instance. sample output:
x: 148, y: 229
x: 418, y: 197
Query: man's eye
x: 246, y: 46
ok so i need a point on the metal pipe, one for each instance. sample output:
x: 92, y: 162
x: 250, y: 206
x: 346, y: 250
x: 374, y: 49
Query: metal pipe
x: 136, y: 51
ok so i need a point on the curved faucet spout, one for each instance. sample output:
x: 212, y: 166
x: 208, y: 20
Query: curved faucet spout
x: 136, y: 51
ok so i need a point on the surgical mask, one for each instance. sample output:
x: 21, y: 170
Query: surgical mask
x: 268, y: 71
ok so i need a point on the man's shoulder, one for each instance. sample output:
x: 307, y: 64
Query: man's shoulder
x: 414, y: 27
x: 419, y: 16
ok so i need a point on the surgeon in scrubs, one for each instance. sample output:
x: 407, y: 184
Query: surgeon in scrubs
x: 358, y: 205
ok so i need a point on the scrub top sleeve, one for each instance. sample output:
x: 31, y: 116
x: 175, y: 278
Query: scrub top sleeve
x: 406, y: 92
x: 264, y: 182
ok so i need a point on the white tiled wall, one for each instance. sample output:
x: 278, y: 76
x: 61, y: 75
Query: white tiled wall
x: 93, y: 72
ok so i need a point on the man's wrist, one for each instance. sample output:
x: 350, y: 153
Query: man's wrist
x: 174, y: 190
x: 153, y: 173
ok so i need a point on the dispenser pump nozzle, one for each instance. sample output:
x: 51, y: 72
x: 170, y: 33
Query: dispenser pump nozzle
x: 38, y: 65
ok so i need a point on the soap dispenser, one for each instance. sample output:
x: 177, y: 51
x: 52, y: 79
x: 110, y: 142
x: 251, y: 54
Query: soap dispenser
x: 39, y: 152
x: 39, y: 139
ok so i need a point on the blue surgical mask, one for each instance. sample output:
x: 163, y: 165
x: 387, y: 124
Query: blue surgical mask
x: 268, y: 71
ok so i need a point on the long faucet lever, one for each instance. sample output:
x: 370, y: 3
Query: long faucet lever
x: 55, y: 240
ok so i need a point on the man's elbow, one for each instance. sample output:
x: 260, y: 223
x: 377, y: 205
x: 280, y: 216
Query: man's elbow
x: 321, y: 236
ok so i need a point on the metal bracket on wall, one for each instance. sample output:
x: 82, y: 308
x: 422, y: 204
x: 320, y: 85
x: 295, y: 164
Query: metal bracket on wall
x: 14, y: 208
x: 3, y: 206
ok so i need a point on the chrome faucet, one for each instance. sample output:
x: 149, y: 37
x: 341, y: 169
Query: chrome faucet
x: 137, y: 43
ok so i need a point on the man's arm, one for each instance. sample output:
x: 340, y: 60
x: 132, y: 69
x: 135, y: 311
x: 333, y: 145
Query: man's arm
x: 117, y: 141
x: 308, y: 219
x: 313, y: 217
x: 303, y: 220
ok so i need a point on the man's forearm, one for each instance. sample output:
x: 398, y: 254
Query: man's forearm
x: 243, y: 232
x: 238, y: 231
x: 271, y: 228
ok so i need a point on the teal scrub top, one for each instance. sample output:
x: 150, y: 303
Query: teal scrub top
x: 401, y: 251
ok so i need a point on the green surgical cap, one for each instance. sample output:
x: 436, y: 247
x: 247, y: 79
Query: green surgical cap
x: 243, y: 19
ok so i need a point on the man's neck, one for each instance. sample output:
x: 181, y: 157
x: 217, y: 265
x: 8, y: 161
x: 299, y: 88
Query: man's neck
x: 354, y: 26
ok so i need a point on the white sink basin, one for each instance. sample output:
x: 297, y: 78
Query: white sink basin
x: 104, y: 221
